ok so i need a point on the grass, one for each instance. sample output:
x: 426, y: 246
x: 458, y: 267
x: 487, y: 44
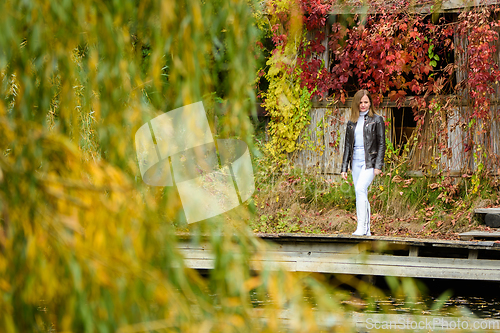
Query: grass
x: 290, y: 201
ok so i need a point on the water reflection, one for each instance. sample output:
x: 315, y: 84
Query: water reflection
x: 470, y: 299
x: 472, y: 306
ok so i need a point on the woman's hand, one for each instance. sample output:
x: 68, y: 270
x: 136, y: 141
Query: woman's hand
x: 344, y: 175
x: 377, y: 172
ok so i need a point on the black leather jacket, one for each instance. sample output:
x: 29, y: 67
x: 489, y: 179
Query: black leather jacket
x: 374, y: 142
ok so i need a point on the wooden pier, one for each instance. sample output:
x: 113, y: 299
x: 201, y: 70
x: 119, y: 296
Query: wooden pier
x: 373, y: 255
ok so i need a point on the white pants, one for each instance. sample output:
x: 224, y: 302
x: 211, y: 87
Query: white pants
x: 362, y: 178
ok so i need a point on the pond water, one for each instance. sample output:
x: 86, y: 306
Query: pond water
x: 457, y: 314
x: 477, y: 306
x: 477, y: 300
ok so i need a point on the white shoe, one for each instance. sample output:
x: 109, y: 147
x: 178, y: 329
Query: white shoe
x: 360, y: 230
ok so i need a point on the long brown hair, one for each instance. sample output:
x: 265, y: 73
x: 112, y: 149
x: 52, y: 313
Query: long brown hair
x: 355, y: 104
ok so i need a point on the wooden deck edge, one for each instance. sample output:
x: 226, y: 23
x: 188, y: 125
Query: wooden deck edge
x: 347, y: 238
x: 283, y: 237
x: 472, y: 273
x: 495, y: 210
x: 470, y: 235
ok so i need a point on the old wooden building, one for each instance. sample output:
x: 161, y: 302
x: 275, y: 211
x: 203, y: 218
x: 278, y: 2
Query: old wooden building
x: 328, y: 120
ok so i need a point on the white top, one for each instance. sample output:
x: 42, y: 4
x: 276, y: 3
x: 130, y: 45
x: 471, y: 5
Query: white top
x: 358, y: 132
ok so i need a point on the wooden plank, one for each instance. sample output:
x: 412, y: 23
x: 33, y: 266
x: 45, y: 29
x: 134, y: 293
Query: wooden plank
x: 494, y: 133
x: 387, y: 240
x: 397, y: 261
x: 413, y: 251
x: 362, y: 259
x: 318, y: 247
x: 346, y: 255
x: 394, y: 266
x: 487, y: 211
x: 479, y: 234
x: 335, y: 123
x: 319, y: 244
x: 327, y: 259
x: 455, y: 162
x: 295, y: 247
x: 311, y: 160
x: 473, y: 254
x: 199, y: 263
x: 463, y: 273
x: 446, y: 6
x: 466, y: 271
x: 201, y: 246
x: 401, y: 271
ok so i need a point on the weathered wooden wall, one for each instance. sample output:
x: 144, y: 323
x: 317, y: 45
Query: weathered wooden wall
x: 327, y: 128
x: 457, y: 161
x: 463, y: 142
x: 493, y: 138
x: 429, y: 154
x: 327, y: 133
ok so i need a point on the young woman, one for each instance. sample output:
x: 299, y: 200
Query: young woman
x: 364, y: 153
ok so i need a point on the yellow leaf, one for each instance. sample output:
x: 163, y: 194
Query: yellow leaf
x: 4, y: 285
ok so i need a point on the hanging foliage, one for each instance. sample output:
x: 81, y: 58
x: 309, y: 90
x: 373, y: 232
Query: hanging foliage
x: 399, y: 52
x: 85, y: 245
x: 287, y: 99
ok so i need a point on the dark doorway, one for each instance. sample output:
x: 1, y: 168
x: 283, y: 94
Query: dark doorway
x: 403, y: 125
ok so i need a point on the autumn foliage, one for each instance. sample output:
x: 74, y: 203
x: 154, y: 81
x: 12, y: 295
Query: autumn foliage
x: 407, y: 53
x: 85, y: 245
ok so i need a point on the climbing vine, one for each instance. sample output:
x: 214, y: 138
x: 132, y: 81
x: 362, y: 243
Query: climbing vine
x: 288, y: 97
x: 401, y: 53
